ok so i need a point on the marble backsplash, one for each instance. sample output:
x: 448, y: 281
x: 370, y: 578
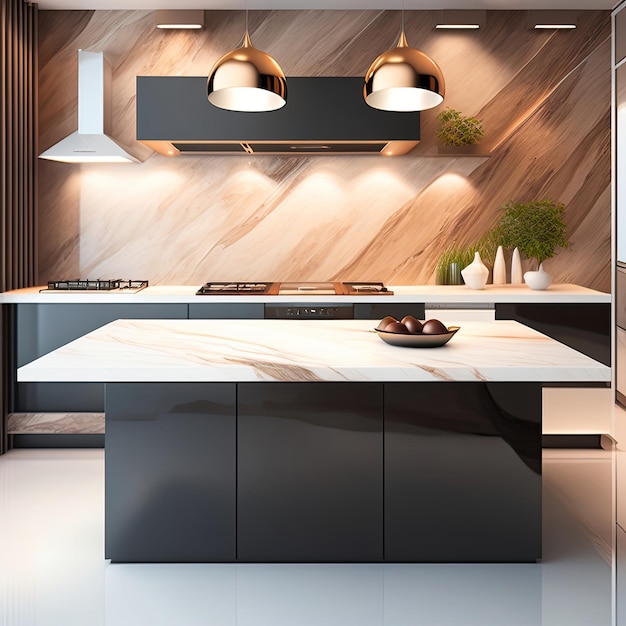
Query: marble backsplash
x: 544, y: 98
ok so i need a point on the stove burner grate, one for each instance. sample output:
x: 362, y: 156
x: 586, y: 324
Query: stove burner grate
x: 95, y: 285
x: 233, y: 288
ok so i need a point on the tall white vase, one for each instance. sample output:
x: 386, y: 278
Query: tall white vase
x: 516, y: 269
x: 476, y: 273
x: 499, y: 268
x: 539, y: 279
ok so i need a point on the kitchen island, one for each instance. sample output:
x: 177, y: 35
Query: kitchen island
x: 300, y: 441
x: 71, y: 414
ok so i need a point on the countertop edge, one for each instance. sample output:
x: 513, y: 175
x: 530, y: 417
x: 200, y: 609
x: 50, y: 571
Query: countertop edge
x: 428, y: 294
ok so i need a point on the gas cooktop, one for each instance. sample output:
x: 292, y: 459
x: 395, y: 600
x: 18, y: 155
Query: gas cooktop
x: 294, y: 289
x: 79, y: 285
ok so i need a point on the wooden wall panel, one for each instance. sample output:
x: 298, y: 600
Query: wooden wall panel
x: 18, y: 167
x: 544, y: 98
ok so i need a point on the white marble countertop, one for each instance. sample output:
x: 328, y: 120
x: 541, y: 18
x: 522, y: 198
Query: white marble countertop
x: 306, y: 350
x: 430, y: 294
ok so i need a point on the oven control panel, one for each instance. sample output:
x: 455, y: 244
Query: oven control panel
x: 309, y: 312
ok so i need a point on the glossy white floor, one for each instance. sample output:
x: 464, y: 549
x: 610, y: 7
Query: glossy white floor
x: 52, y: 570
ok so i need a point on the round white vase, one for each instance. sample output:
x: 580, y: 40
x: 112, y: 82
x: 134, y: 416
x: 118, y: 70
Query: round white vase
x: 539, y: 279
x: 475, y: 274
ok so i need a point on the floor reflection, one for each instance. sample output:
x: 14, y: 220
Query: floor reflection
x: 52, y: 571
x: 332, y: 595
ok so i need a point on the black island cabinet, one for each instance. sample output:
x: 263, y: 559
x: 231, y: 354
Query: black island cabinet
x: 323, y: 472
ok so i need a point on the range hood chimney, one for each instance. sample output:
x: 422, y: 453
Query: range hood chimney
x: 91, y: 142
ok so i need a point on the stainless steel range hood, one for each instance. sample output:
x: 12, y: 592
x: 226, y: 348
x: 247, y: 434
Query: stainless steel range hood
x: 323, y: 115
x: 91, y: 143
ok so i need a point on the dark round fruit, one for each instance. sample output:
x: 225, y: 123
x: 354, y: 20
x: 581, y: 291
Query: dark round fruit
x: 396, y: 327
x: 434, y: 327
x: 382, y: 325
x: 413, y: 325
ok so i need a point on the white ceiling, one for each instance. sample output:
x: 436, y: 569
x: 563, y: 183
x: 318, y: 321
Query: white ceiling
x: 326, y: 4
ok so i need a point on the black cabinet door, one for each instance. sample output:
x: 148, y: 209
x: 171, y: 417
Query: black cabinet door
x: 463, y: 472
x: 584, y: 326
x: 309, y: 472
x: 378, y: 310
x: 225, y: 310
x: 170, y: 472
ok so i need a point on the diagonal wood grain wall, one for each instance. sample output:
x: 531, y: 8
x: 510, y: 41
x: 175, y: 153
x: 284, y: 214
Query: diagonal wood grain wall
x: 544, y: 98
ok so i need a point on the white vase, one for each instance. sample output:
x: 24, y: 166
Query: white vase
x: 516, y: 268
x: 475, y: 274
x: 539, y: 279
x: 499, y: 268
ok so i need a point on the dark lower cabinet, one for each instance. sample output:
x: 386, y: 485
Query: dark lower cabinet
x: 585, y: 327
x: 462, y: 472
x: 323, y: 472
x: 170, y: 472
x: 309, y: 472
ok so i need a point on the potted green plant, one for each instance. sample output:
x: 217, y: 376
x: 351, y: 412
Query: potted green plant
x: 536, y: 229
x: 450, y: 263
x: 456, y: 258
x: 457, y: 129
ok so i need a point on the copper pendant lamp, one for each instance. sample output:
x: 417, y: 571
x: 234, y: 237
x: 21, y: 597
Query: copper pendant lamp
x: 404, y: 79
x: 247, y: 79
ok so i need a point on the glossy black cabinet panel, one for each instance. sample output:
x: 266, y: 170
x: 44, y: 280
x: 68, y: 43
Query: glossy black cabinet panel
x: 309, y: 472
x: 205, y: 309
x: 378, y: 310
x: 170, y: 472
x: 463, y: 472
x: 620, y: 294
x: 319, y: 108
x: 584, y: 327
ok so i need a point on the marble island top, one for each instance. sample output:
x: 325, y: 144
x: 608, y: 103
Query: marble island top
x: 306, y: 350
x: 430, y: 294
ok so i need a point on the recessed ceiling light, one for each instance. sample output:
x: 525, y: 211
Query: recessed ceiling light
x: 552, y: 20
x: 179, y: 19
x: 460, y: 19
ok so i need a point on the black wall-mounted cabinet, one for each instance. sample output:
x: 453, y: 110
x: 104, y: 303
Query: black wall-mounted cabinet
x: 332, y: 110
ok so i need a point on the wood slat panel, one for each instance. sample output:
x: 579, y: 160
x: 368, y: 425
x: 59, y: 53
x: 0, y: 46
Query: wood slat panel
x: 18, y: 169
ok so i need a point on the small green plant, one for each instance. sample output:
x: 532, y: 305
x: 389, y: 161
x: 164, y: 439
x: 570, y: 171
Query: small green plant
x: 534, y: 228
x: 450, y: 263
x: 457, y: 129
x: 454, y: 258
